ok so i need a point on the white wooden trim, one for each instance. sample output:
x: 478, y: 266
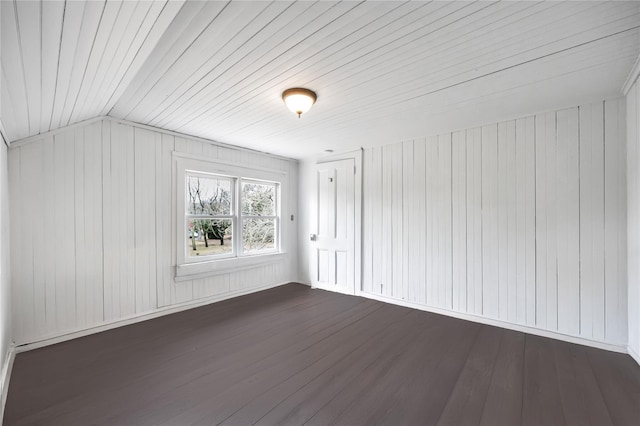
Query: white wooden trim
x: 334, y: 289
x: 168, y: 310
x: 502, y: 324
x: 6, y: 377
x: 234, y: 166
x: 632, y: 77
x: 194, y: 138
x: 196, y: 270
x: 40, y: 136
x: 633, y: 354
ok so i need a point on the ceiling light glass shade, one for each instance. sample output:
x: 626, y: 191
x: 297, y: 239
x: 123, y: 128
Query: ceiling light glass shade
x: 299, y: 100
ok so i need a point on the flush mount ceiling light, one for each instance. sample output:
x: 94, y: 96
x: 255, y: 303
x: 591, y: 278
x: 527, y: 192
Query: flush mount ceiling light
x: 299, y: 100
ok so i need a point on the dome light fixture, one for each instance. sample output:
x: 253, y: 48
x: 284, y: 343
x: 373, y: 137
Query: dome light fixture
x: 299, y: 100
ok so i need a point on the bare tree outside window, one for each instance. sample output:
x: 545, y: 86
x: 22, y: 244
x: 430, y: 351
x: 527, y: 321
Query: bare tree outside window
x: 258, y: 217
x: 209, y: 222
x: 211, y: 215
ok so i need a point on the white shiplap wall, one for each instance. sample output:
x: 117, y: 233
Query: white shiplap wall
x: 522, y: 221
x: 94, y: 243
x: 5, y: 284
x: 633, y: 216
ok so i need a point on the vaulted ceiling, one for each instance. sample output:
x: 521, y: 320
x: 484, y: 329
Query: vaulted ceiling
x: 384, y: 71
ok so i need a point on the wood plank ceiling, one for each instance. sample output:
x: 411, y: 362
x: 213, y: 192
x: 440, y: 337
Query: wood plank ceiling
x: 384, y: 71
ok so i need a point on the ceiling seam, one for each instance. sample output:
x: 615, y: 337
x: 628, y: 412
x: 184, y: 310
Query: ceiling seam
x: 177, y: 59
x: 136, y: 55
x: 220, y: 62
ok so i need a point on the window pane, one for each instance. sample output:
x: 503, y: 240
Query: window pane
x: 258, y: 199
x: 209, y: 237
x: 208, y: 196
x: 258, y: 235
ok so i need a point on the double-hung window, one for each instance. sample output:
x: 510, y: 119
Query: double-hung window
x: 209, y: 216
x: 228, y: 217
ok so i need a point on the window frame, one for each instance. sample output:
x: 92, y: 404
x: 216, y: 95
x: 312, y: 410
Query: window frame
x: 190, y: 267
x: 276, y: 218
x: 231, y: 216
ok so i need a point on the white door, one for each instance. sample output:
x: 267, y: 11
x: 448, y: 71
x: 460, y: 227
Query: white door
x: 334, y: 246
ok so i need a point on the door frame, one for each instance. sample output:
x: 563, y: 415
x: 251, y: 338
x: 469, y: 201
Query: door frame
x: 357, y: 240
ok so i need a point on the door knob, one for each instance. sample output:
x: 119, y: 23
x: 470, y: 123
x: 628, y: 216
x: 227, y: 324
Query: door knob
x: 313, y: 237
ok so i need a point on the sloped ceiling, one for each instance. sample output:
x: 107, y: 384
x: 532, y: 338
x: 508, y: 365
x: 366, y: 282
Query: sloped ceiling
x: 383, y: 71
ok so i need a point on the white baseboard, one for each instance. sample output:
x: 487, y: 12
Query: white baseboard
x: 502, y: 324
x: 633, y: 354
x: 167, y: 310
x: 6, y: 377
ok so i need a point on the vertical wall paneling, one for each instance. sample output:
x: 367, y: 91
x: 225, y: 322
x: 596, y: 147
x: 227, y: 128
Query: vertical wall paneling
x: 511, y: 225
x: 145, y: 144
x: 80, y: 242
x: 551, y: 248
x: 459, y: 223
x: 490, y: 233
x: 621, y: 329
x: 592, y: 279
x: 542, y: 216
x: 503, y: 227
x: 108, y: 238
x: 32, y: 172
x: 6, y: 320
x: 93, y: 222
x: 419, y: 212
x: 432, y: 233
x: 568, y: 238
x: 64, y: 229
x: 445, y: 248
x: 49, y: 197
x: 474, y: 221
x: 520, y: 194
x: 633, y: 218
x: 369, y: 171
x: 18, y: 246
x: 521, y: 221
x: 377, y: 230
x: 367, y: 246
x: 396, y: 220
x: 95, y: 208
x: 614, y: 216
x: 164, y: 241
x: 385, y: 223
x: 530, y: 219
x: 409, y: 245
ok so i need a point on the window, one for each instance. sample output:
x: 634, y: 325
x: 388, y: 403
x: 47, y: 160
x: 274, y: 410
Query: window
x: 228, y: 217
x: 209, y: 215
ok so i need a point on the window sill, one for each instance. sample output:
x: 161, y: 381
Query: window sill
x: 190, y: 271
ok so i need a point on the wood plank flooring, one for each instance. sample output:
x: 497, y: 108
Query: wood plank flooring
x: 293, y: 356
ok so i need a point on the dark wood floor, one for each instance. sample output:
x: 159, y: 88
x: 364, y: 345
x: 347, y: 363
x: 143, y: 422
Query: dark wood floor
x: 292, y: 355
